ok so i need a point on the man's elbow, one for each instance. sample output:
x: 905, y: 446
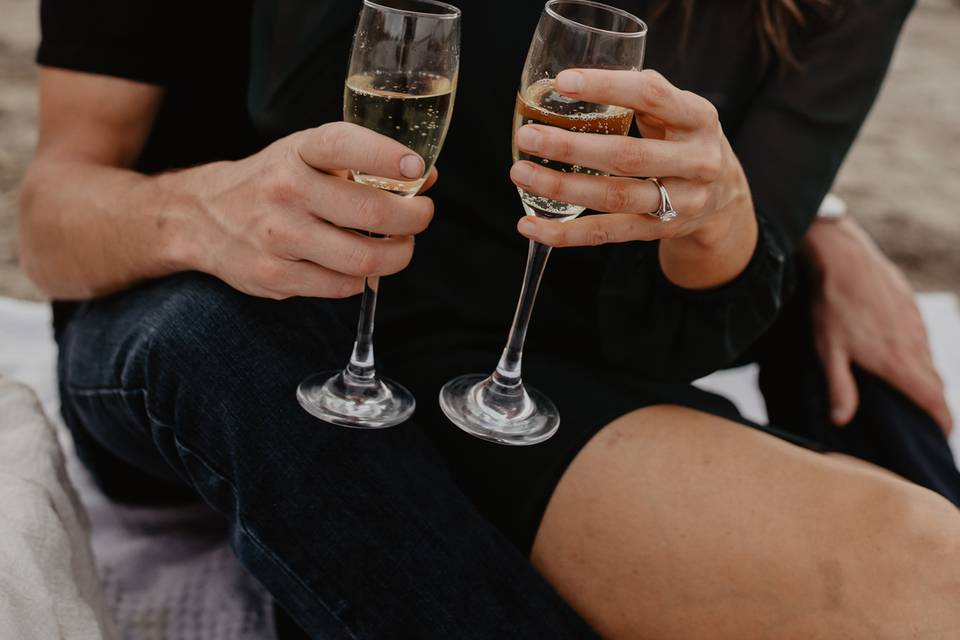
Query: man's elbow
x: 31, y: 233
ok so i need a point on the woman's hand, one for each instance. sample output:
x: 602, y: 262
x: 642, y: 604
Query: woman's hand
x: 864, y: 312
x: 683, y: 144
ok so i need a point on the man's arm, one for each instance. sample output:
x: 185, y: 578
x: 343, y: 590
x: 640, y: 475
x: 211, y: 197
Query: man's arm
x: 274, y: 224
x: 865, y: 313
x: 88, y: 225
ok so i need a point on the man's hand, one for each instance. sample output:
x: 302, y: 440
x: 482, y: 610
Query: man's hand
x: 277, y: 224
x: 864, y: 312
x: 281, y: 223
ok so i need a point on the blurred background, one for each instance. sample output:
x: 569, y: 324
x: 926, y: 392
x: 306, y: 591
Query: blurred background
x: 901, y: 181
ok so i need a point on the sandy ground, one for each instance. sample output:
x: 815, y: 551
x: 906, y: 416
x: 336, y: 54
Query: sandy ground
x: 902, y: 179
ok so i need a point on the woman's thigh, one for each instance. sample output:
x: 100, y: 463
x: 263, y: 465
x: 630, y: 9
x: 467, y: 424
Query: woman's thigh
x: 672, y: 523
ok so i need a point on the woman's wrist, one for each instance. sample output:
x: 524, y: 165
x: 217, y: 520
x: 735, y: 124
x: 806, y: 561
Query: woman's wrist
x: 719, y: 250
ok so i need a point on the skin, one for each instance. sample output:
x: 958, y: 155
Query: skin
x: 683, y: 144
x: 272, y: 225
x: 669, y: 523
x: 865, y: 312
x: 674, y: 524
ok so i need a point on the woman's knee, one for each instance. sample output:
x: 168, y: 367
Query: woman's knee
x: 908, y: 552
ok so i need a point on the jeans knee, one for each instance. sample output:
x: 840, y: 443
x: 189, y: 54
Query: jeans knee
x: 190, y: 322
x: 198, y: 330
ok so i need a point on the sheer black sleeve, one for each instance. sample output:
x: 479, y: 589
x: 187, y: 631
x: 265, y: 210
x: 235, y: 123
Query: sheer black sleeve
x: 665, y: 332
x: 801, y: 125
x: 791, y: 142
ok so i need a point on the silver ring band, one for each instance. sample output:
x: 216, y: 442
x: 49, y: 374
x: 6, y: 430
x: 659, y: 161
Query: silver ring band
x: 666, y: 212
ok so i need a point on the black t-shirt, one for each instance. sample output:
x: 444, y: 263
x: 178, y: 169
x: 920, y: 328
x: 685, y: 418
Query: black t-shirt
x: 241, y: 73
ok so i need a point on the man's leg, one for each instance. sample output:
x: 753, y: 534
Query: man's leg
x: 887, y: 430
x: 358, y: 534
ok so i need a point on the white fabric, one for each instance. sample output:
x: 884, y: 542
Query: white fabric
x: 48, y: 584
x: 168, y: 574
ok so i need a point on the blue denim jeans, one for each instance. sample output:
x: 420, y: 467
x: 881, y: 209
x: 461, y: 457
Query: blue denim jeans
x: 184, y: 387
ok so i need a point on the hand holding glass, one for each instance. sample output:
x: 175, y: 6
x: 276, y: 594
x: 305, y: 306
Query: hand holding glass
x: 571, y: 34
x: 401, y: 83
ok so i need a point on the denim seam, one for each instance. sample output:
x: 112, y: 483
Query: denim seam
x: 92, y: 391
x: 240, y: 520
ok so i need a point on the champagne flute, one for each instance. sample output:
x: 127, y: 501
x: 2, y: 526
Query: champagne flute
x: 570, y: 34
x: 401, y: 82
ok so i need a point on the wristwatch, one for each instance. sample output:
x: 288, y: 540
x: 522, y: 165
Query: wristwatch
x: 832, y: 208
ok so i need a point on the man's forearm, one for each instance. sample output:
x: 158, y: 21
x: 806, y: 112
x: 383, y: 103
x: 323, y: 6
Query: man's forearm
x: 88, y: 230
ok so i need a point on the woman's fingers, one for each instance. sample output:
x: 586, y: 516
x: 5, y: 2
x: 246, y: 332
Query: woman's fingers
x: 617, y: 155
x: 616, y: 195
x: 591, y: 230
x: 646, y: 92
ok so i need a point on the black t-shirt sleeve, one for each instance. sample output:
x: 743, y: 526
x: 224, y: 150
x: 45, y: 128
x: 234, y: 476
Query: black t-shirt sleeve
x: 122, y: 38
x: 801, y: 125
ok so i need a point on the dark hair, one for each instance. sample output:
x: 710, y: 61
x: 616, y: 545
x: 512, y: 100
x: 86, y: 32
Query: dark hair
x: 774, y: 20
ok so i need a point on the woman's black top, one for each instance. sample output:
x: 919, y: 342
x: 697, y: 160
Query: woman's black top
x: 240, y: 74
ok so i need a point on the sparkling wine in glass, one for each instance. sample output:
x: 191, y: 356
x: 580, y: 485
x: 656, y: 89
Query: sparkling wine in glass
x: 571, y: 34
x: 401, y: 83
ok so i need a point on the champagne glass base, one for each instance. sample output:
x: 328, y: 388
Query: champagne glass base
x: 366, y: 404
x: 531, y: 419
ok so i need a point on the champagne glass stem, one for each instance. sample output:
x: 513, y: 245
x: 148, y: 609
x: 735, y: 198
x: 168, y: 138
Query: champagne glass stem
x: 360, y: 369
x: 508, y: 369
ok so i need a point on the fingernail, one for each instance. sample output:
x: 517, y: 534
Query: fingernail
x: 521, y: 173
x: 411, y: 166
x: 526, y: 226
x: 569, y: 82
x: 528, y: 139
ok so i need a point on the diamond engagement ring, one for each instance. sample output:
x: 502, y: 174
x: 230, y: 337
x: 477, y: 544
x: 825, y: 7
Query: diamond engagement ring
x: 666, y: 212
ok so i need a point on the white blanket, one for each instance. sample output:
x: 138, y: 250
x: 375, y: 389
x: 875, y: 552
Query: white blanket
x: 165, y: 574
x: 168, y: 574
x: 48, y: 584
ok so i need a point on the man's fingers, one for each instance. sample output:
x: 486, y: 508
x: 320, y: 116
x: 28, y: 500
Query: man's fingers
x: 341, y: 145
x: 841, y: 384
x: 355, y: 206
x: 923, y: 386
x: 430, y: 181
x: 936, y: 406
x: 616, y: 155
x: 342, y: 250
x: 646, y: 92
x: 290, y: 278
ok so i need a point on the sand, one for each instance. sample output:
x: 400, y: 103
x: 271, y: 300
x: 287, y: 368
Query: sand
x: 902, y: 179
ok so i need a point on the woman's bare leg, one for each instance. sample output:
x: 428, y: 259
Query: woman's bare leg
x: 676, y: 524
